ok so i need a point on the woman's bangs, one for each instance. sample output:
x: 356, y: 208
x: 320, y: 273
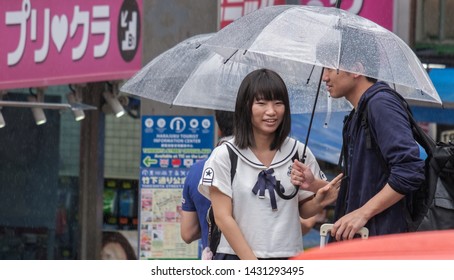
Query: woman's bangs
x: 268, y: 93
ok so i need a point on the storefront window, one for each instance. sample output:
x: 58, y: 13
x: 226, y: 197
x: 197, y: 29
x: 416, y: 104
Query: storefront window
x: 39, y: 180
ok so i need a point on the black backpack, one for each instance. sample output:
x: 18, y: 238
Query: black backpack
x: 214, y: 233
x: 432, y: 206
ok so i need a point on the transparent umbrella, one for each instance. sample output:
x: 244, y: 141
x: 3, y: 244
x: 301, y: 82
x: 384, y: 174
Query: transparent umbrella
x: 292, y: 38
x: 189, y: 74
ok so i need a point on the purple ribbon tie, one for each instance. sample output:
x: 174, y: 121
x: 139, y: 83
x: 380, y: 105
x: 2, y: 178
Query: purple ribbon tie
x: 266, y: 180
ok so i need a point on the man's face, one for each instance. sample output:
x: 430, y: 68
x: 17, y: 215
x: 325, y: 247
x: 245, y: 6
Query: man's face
x: 338, y: 83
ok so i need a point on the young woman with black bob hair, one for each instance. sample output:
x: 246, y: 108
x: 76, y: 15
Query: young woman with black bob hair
x: 253, y: 208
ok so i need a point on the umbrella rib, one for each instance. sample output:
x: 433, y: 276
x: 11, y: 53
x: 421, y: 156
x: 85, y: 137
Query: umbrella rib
x: 388, y: 60
x: 340, y: 48
x: 310, y: 74
x: 227, y: 59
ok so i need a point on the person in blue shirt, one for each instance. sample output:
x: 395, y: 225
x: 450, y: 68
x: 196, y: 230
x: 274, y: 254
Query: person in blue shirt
x: 379, y: 178
x: 195, y: 206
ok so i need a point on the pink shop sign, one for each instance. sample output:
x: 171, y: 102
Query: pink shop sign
x: 380, y: 12
x: 50, y: 42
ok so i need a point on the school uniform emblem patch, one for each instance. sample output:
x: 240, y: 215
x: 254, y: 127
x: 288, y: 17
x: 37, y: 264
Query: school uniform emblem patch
x: 208, y: 175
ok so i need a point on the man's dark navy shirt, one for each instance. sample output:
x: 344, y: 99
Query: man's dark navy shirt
x: 388, y: 122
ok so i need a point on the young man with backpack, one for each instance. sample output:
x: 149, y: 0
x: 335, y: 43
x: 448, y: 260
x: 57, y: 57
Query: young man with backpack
x: 373, y: 194
x: 379, y: 174
x: 380, y: 156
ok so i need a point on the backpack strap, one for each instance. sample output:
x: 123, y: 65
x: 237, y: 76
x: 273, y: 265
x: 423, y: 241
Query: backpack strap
x: 365, y: 125
x: 420, y: 136
x: 371, y: 143
x: 342, y: 160
x: 233, y: 163
x: 214, y: 233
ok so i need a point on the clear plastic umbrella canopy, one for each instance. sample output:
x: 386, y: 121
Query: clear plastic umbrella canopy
x: 189, y: 74
x: 292, y: 38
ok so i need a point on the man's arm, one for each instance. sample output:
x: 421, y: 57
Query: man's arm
x: 189, y: 226
x: 307, y: 224
x: 347, y: 226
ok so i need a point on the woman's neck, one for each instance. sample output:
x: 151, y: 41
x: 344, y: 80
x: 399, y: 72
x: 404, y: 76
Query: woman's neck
x: 263, y: 141
x: 262, y: 149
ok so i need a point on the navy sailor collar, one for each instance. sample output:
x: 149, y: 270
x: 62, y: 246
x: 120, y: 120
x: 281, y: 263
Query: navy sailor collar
x: 286, y: 152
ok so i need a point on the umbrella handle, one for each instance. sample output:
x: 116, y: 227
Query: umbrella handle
x: 279, y: 192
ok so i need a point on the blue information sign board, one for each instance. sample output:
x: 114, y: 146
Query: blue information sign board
x: 170, y: 145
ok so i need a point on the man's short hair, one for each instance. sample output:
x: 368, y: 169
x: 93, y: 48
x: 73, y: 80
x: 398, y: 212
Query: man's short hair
x: 225, y: 122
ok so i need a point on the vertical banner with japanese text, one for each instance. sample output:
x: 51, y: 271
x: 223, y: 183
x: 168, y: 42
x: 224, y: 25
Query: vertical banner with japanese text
x: 170, y: 145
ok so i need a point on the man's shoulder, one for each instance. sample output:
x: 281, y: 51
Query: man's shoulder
x: 198, y: 164
x: 380, y: 90
x: 195, y: 171
x: 380, y: 94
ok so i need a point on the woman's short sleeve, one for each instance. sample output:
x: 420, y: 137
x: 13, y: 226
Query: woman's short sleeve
x: 216, y: 172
